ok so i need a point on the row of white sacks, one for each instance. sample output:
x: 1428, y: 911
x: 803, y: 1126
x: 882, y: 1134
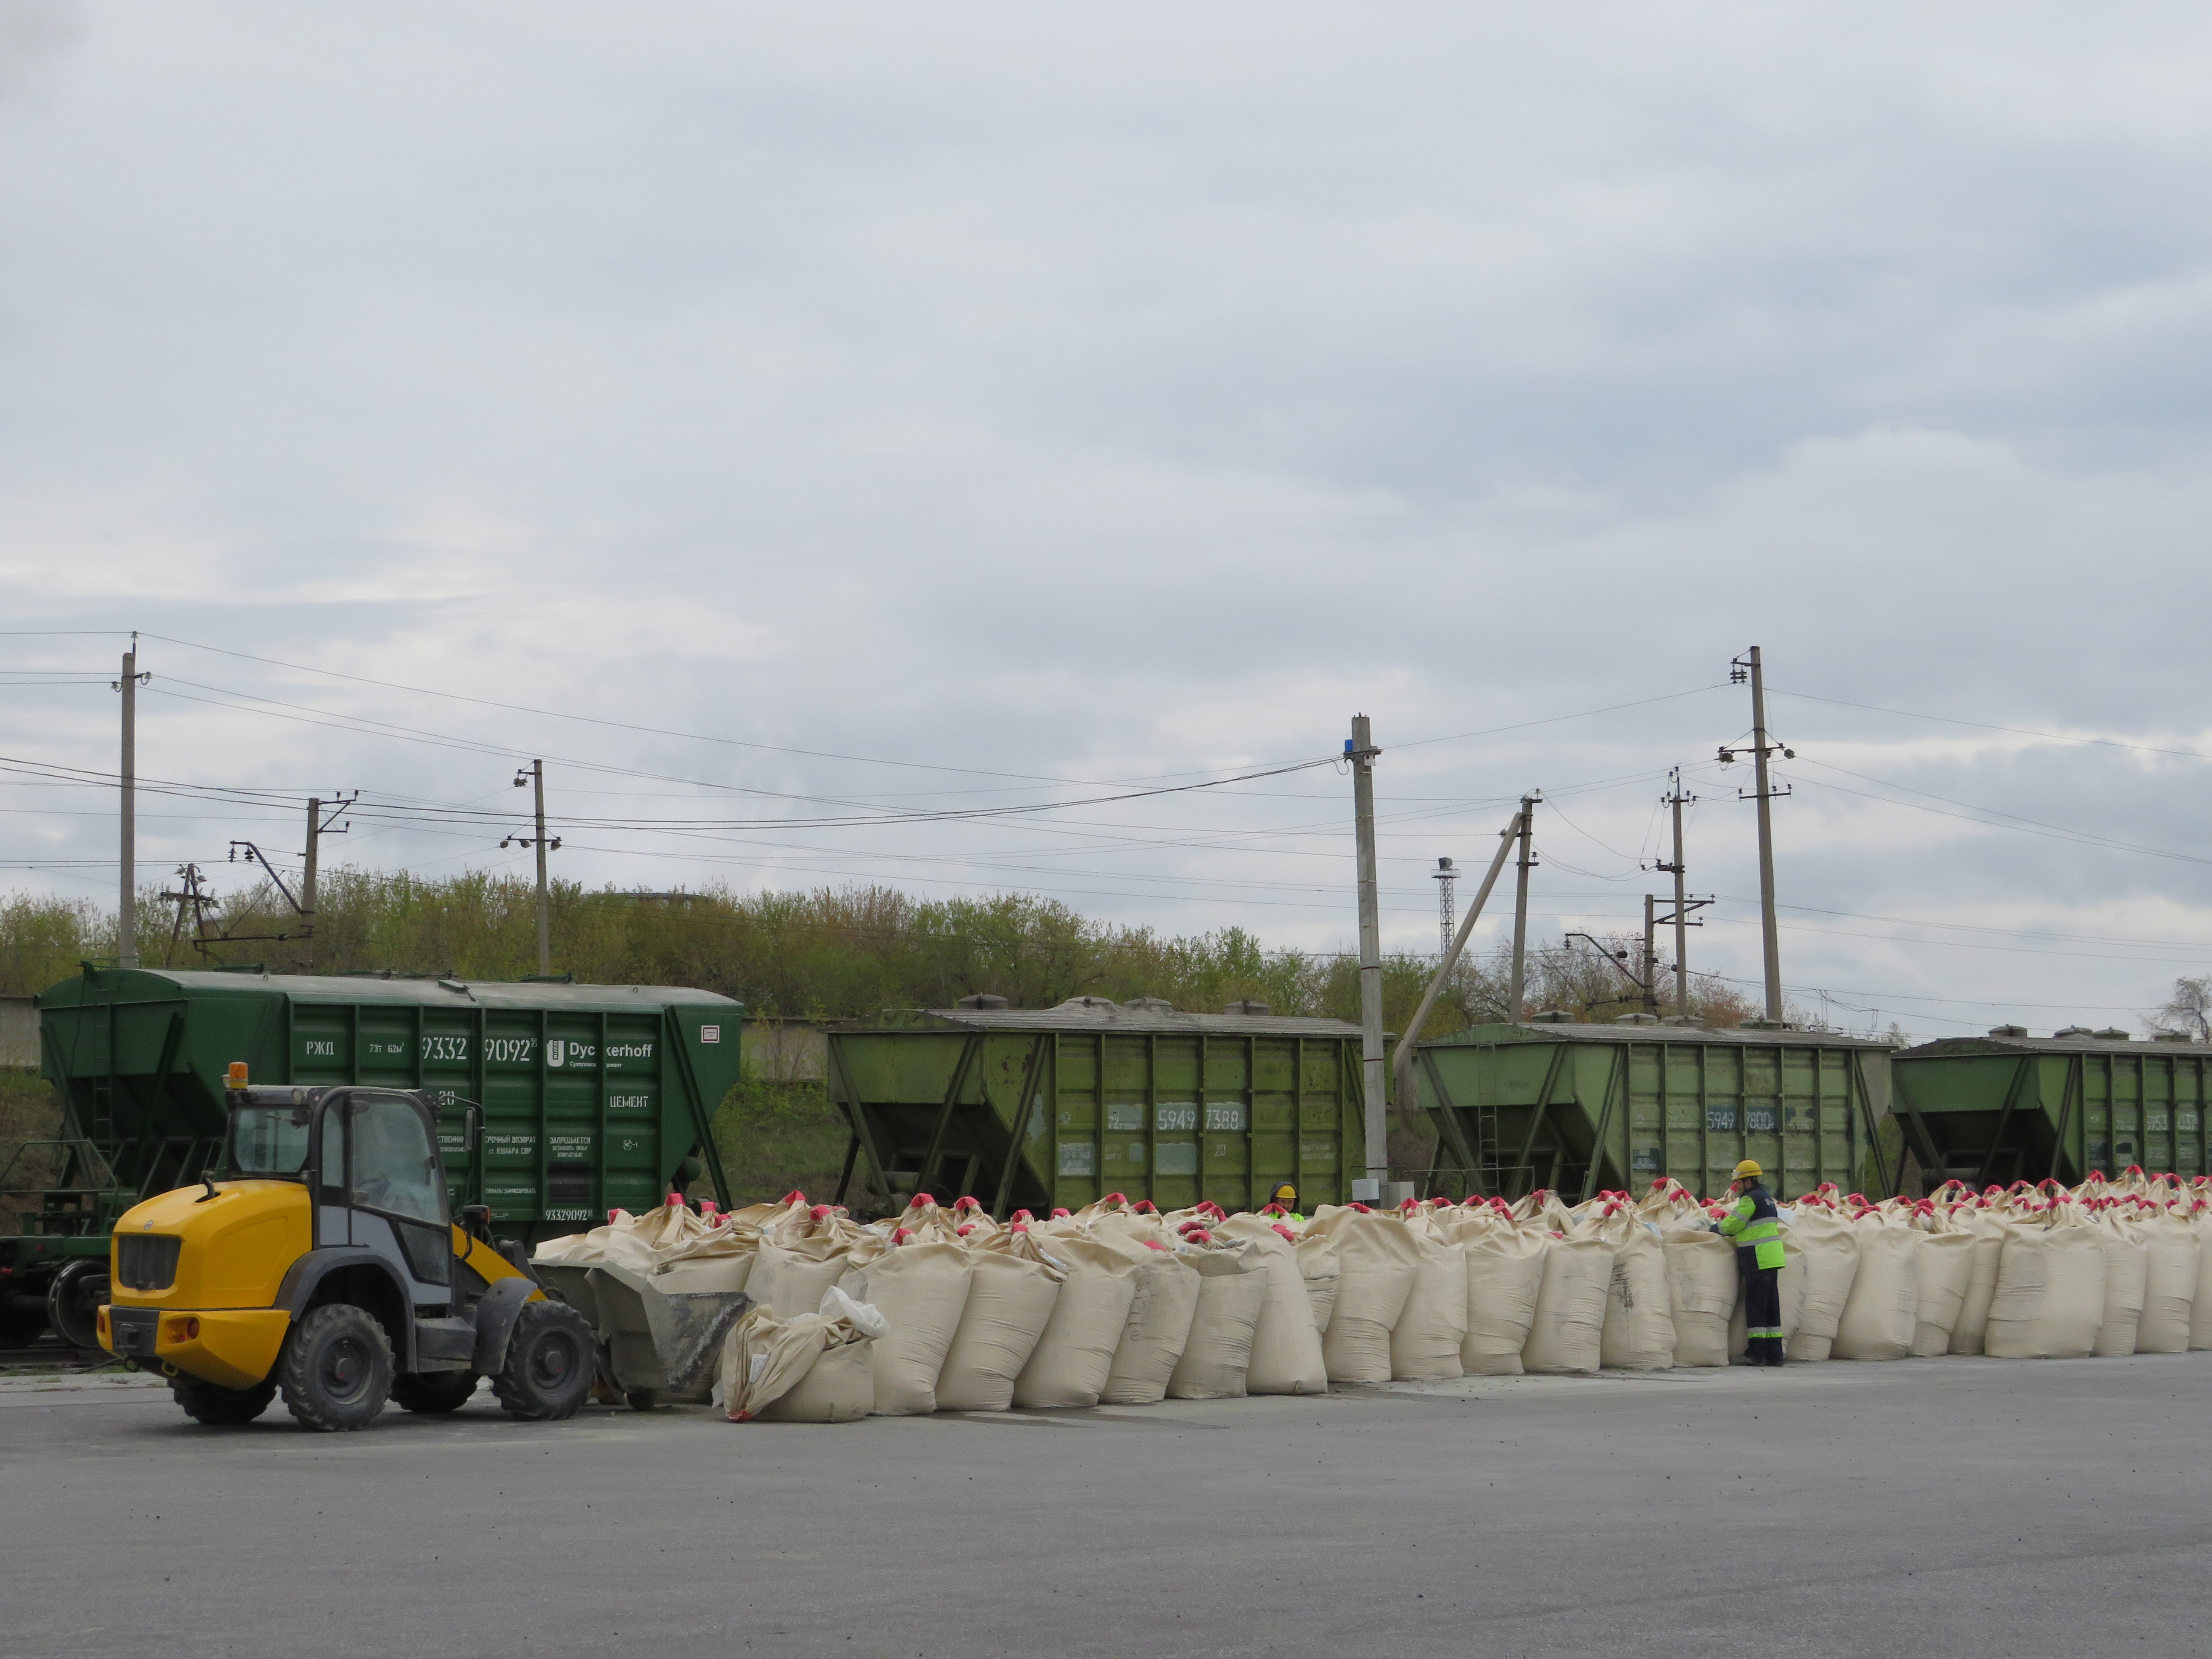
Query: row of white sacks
x: 945, y: 1309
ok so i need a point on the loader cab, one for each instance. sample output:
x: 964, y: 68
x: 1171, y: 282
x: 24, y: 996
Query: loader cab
x: 369, y: 1160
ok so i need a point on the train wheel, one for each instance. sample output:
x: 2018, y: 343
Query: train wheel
x: 73, y: 1302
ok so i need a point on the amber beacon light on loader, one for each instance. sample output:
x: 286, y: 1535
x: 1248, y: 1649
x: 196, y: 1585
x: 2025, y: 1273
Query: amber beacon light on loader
x: 319, y: 1258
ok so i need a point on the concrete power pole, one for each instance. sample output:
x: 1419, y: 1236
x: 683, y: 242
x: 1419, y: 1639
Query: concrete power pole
x: 1748, y: 667
x: 1360, y: 750
x: 535, y: 776
x: 304, y: 958
x: 1676, y: 800
x: 1517, y: 985
x: 316, y: 830
x: 544, y: 903
x: 127, y: 909
x: 1651, y: 961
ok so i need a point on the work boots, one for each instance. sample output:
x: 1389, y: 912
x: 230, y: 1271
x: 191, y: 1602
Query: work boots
x: 1767, y: 1351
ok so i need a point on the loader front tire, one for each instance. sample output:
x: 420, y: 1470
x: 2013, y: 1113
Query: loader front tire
x: 550, y: 1360
x: 336, y: 1369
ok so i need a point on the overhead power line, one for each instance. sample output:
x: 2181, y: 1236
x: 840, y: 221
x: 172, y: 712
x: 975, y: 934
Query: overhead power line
x: 652, y: 730
x: 1988, y: 725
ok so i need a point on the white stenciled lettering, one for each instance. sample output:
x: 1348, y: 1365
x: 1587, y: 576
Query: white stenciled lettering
x: 630, y: 1103
x: 322, y: 1048
x: 510, y: 1051
x: 445, y: 1048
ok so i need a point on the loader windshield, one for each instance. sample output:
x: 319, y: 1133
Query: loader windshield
x: 268, y: 1141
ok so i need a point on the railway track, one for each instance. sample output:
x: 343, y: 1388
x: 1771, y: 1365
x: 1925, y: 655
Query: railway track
x: 52, y: 1355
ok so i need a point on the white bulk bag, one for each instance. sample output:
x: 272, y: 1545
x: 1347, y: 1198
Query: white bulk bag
x: 1011, y: 1293
x: 2127, y: 1275
x: 920, y: 1288
x: 1158, y: 1328
x: 1069, y: 1366
x: 1881, y: 1316
x: 1232, y: 1287
x: 1505, y: 1275
x: 1285, y: 1345
x: 1990, y: 1229
x: 1638, y: 1333
x: 813, y: 1369
x: 2169, y: 1283
x: 718, y: 1258
x: 789, y: 1280
x: 1568, y: 1332
x: 1824, y: 1250
x: 2200, y: 1312
x: 1947, y: 1273
x: 2050, y: 1300
x: 1424, y: 1343
x: 1319, y: 1267
x: 1702, y: 1284
x: 802, y: 1255
x: 1376, y: 1260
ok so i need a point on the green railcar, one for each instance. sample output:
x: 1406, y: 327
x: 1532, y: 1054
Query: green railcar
x: 581, y: 1097
x: 2008, y: 1107
x: 1581, y: 1109
x: 1038, y: 1108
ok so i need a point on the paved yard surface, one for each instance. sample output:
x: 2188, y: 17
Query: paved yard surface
x: 1943, y: 1507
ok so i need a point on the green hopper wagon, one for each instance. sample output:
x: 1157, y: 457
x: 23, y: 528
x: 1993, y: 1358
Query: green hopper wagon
x: 2009, y: 1107
x: 587, y: 1097
x: 1581, y: 1108
x: 1058, y: 1106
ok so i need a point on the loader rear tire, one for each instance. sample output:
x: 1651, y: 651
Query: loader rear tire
x: 550, y: 1360
x: 428, y: 1392
x: 218, y: 1406
x: 336, y: 1369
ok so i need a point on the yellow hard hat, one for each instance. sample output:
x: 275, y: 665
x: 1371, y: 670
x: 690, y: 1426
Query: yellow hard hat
x: 1748, y: 1170
x: 1284, y: 1194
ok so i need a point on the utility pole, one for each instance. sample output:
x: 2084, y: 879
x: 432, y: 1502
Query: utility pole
x: 1651, y: 962
x: 1447, y: 877
x: 1518, y: 983
x: 316, y: 830
x: 196, y: 896
x: 1359, y: 749
x: 1676, y: 800
x: 1744, y: 668
x: 305, y: 957
x: 536, y: 777
x: 127, y: 909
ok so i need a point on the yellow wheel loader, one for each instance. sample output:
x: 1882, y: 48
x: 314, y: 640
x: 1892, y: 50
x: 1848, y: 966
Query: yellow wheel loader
x: 320, y: 1261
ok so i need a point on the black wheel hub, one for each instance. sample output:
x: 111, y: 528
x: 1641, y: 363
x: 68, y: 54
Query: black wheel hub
x: 347, y: 1366
x: 553, y: 1361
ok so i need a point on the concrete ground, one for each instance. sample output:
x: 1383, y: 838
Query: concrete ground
x: 1955, y: 1506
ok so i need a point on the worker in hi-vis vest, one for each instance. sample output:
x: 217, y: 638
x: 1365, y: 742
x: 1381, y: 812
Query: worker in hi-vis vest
x: 1756, y: 1227
x: 1282, y: 1203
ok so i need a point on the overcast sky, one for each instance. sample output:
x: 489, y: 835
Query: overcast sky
x: 1018, y: 397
